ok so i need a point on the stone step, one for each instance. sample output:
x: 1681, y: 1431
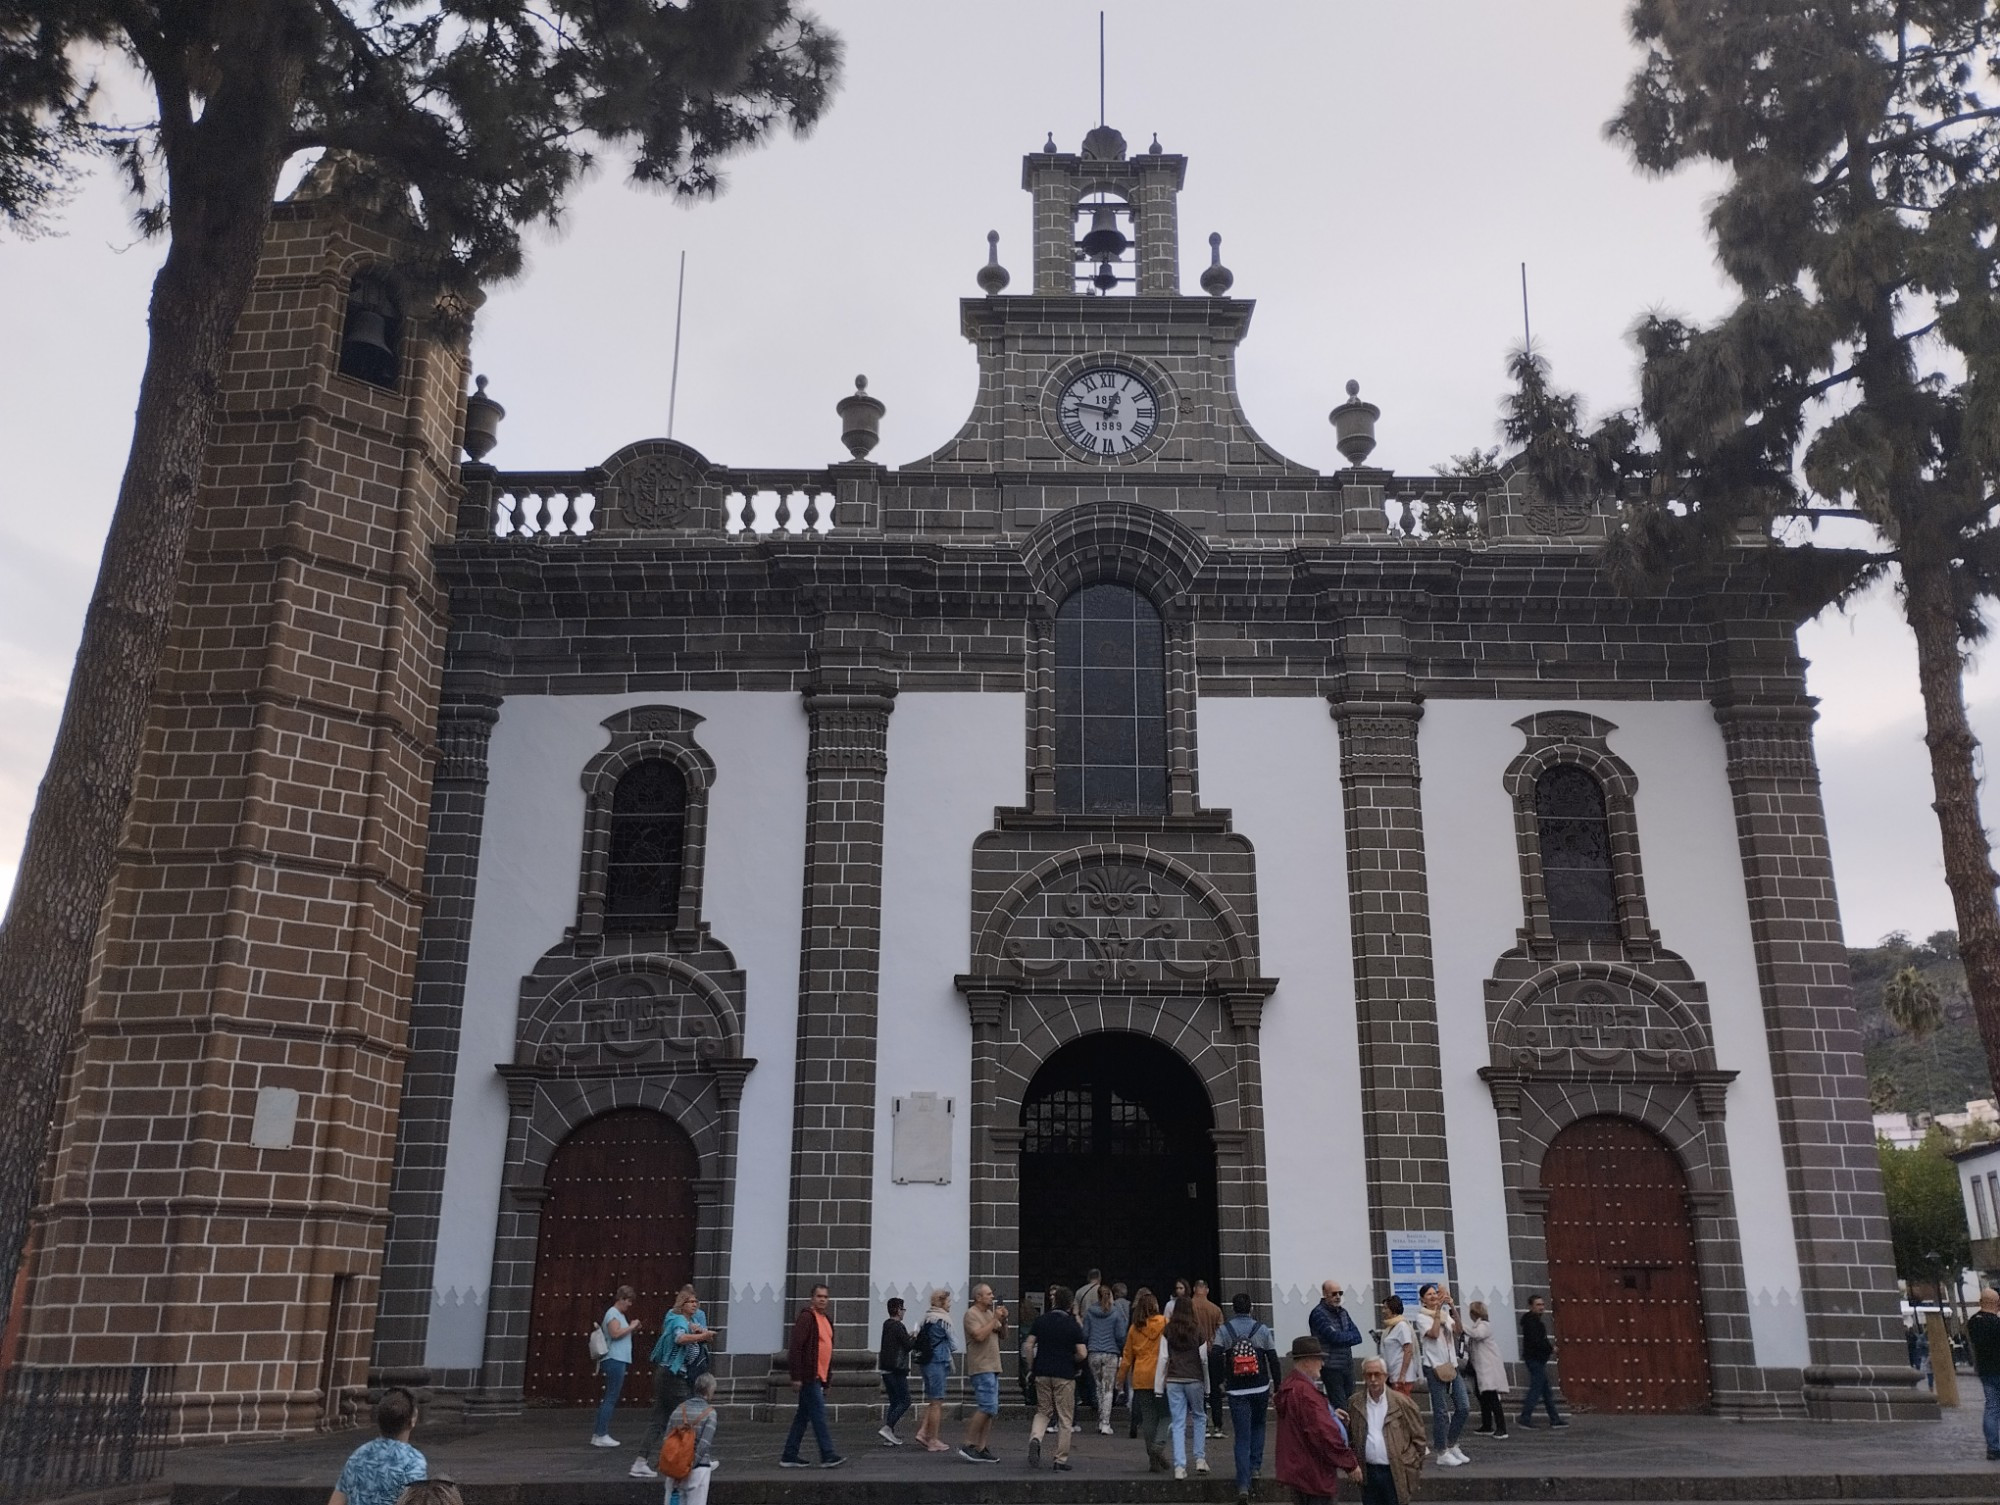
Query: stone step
x: 985, y: 1488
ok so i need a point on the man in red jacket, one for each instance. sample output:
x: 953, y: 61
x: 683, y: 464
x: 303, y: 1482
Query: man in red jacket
x: 812, y: 1366
x: 1313, y: 1451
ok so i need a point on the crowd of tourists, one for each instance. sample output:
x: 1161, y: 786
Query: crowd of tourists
x: 1179, y: 1368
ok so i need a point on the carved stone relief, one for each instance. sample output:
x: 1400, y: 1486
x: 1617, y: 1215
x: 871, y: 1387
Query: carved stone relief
x: 636, y: 1019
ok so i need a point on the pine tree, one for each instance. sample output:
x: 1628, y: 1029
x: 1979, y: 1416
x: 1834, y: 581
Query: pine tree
x: 1859, y: 374
x: 473, y: 119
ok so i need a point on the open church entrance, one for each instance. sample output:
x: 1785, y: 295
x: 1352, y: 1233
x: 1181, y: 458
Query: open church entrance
x: 1117, y: 1168
x: 619, y: 1211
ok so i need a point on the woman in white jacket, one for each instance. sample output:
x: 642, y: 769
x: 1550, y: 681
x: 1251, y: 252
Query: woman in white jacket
x: 1489, y: 1371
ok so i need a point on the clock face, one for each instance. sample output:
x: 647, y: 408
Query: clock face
x: 1105, y: 411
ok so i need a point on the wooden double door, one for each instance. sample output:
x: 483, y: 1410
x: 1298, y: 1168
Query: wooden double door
x: 1622, y: 1272
x: 620, y: 1210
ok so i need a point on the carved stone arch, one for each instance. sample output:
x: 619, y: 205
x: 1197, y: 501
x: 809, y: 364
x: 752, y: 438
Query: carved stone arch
x: 1578, y: 739
x: 1127, y: 542
x: 637, y: 734
x: 1174, y: 1023
x: 1666, y: 1116
x: 613, y: 1011
x: 1089, y: 915
x: 658, y: 484
x: 561, y: 1106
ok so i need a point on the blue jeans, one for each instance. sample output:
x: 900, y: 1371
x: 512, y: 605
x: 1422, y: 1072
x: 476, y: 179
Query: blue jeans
x: 1449, y: 1408
x: 897, y: 1387
x: 1246, y: 1425
x: 1538, y: 1386
x: 614, y: 1381
x: 812, y: 1408
x: 1991, y: 1384
x: 1184, y: 1400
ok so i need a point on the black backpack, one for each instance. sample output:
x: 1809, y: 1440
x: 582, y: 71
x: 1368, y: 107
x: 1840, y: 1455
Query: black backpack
x: 923, y: 1345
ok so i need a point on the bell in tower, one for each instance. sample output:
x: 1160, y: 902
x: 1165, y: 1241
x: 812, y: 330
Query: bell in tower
x: 1105, y: 221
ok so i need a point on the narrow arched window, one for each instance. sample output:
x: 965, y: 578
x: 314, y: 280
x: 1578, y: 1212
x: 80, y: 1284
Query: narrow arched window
x: 642, y: 873
x: 1111, y: 704
x: 1575, y: 841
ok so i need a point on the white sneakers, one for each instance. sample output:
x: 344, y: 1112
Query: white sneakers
x: 604, y: 1440
x: 1452, y: 1457
x: 1179, y: 1472
x: 1104, y: 1429
x: 1201, y: 1465
x: 641, y: 1469
x: 889, y: 1438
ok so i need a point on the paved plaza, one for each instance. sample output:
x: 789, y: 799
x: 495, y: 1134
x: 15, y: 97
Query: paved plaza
x: 1630, y: 1457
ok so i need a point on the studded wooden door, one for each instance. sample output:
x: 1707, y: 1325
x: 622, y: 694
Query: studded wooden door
x: 619, y: 1211
x: 1622, y: 1273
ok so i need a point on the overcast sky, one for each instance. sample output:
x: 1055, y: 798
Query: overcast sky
x: 1378, y: 174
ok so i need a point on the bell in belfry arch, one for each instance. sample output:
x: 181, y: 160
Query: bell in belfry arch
x: 368, y: 338
x: 366, y: 348
x: 1105, y: 241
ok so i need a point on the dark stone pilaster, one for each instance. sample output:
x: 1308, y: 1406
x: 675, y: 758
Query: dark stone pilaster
x: 1858, y: 1368
x: 451, y: 873
x: 833, y: 1113
x: 1388, y: 898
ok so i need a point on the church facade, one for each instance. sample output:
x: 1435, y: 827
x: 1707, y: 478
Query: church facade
x: 1102, y: 842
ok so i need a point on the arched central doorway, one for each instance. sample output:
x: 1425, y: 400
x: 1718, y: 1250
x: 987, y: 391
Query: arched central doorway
x: 1117, y: 1167
x: 1622, y: 1273
x: 619, y: 1211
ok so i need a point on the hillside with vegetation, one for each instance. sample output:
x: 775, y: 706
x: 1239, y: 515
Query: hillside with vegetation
x: 1921, y: 1043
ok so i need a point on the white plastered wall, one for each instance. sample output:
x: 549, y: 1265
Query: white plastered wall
x: 530, y: 850
x: 1274, y: 763
x: 953, y: 758
x: 1695, y: 895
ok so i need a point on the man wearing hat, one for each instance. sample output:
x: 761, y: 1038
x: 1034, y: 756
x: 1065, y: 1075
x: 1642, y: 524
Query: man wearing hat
x: 1313, y: 1450
x: 1387, y: 1430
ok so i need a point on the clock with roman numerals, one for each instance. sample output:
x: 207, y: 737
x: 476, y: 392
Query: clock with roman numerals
x: 1106, y: 412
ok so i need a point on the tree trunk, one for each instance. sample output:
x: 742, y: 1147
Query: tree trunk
x: 1929, y: 605
x: 222, y: 173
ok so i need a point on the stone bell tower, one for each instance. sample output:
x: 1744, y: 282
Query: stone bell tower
x: 216, y: 1198
x: 1128, y: 200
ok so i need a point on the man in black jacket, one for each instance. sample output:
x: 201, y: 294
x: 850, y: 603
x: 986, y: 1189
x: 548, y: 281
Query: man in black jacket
x: 1536, y: 1351
x: 1982, y: 1335
x: 1338, y: 1336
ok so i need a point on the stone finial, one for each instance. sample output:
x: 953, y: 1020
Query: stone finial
x: 993, y: 276
x: 1104, y: 144
x: 1154, y: 149
x: 1217, y: 279
x: 482, y: 421
x: 1354, y: 425
x: 860, y: 418
x: 1049, y: 146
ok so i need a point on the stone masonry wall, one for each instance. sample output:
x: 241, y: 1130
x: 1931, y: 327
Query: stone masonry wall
x: 259, y: 935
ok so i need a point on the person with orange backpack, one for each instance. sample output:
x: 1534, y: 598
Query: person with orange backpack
x: 687, y: 1456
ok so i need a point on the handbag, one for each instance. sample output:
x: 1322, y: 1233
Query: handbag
x: 1446, y: 1373
x: 600, y: 1345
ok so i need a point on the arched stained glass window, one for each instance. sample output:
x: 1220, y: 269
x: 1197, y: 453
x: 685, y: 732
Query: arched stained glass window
x: 642, y: 873
x: 1111, y: 704
x: 1576, y: 854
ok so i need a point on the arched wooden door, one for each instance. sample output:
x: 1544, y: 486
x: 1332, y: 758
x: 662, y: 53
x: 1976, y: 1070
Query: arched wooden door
x: 619, y: 1211
x: 1622, y: 1273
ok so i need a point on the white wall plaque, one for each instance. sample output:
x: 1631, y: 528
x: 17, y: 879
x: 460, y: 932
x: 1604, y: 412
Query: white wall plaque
x: 277, y: 1117
x: 920, y: 1146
